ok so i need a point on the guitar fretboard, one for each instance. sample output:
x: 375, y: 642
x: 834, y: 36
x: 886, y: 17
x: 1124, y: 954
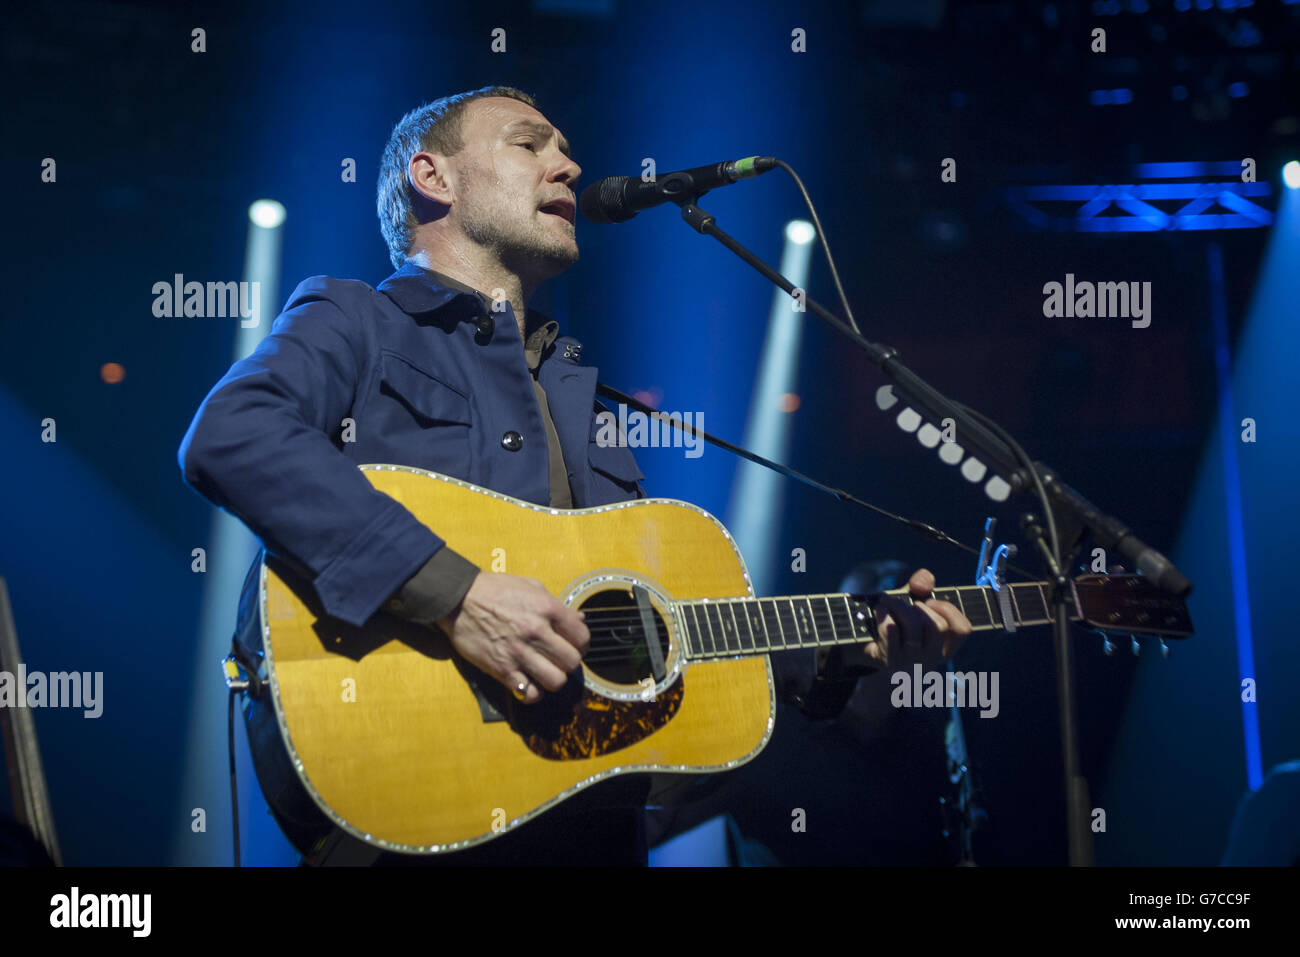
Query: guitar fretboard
x: 727, y: 627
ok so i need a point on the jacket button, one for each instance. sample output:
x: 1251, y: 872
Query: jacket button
x: 512, y: 441
x: 485, y: 325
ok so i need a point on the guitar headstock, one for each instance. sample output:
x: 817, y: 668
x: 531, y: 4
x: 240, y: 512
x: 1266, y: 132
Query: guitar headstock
x: 1131, y: 604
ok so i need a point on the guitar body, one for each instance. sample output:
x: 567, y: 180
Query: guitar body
x: 402, y: 745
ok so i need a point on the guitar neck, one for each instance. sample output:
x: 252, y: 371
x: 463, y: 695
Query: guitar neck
x: 727, y: 627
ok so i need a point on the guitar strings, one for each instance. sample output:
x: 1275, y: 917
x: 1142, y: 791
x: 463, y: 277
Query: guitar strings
x: 604, y: 623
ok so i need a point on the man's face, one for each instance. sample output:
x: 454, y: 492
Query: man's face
x: 515, y: 187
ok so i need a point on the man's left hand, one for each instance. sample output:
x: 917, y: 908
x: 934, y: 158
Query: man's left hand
x: 929, y: 631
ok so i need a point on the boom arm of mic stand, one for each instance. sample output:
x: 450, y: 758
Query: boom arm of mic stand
x: 1108, y: 531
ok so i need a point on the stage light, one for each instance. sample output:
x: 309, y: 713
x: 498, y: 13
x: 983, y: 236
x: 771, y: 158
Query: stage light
x: 266, y: 213
x: 231, y: 548
x: 757, y: 493
x: 1291, y: 174
x: 799, y: 231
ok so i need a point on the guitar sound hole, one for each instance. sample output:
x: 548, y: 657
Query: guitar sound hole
x: 620, y: 651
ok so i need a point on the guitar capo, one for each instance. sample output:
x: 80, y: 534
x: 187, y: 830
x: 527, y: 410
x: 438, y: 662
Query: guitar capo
x: 991, y: 570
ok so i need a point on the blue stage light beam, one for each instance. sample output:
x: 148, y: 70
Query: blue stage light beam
x: 230, y: 551
x: 1220, y: 709
x: 758, y: 491
x: 1229, y: 440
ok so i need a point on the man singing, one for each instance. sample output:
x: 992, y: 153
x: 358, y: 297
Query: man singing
x: 442, y: 367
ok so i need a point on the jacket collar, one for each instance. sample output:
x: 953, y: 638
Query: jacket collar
x: 418, y: 290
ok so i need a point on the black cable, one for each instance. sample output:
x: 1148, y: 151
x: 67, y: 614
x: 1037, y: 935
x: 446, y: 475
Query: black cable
x: 821, y: 236
x: 1026, y: 463
x: 923, y: 528
x: 1020, y: 454
x: 234, y: 791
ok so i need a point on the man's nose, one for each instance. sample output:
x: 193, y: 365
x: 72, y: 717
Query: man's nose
x: 567, y: 172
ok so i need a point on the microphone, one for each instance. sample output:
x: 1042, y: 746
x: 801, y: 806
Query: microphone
x: 1109, y: 532
x: 616, y: 199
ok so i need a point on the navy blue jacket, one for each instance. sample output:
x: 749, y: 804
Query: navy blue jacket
x: 432, y: 379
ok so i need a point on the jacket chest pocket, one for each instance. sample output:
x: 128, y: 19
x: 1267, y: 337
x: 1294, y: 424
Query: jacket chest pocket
x: 415, y: 399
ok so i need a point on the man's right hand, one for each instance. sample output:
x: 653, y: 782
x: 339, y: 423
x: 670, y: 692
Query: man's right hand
x: 513, y: 629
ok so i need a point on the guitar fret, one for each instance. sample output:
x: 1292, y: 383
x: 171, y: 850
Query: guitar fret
x: 994, y: 620
x: 1048, y: 610
x: 718, y: 646
x: 741, y: 634
x: 845, y: 627
x: 976, y: 611
x: 1029, y: 599
x: 835, y: 635
x: 706, y: 639
x: 861, y: 627
x: 783, y: 610
x: 754, y: 612
x: 729, y: 643
x: 693, y: 625
x: 804, y: 623
x: 692, y: 650
x: 950, y: 595
x: 768, y: 606
x: 729, y: 626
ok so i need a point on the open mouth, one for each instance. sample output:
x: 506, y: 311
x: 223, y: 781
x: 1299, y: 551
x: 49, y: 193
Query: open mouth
x: 562, y: 208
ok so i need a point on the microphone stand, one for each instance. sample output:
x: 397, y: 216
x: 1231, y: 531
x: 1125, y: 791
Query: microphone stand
x: 1004, y: 457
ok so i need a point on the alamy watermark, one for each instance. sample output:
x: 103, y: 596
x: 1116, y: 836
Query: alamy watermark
x: 944, y: 689
x: 1101, y: 300
x: 75, y: 909
x: 213, y: 300
x: 636, y: 430
x: 58, y: 689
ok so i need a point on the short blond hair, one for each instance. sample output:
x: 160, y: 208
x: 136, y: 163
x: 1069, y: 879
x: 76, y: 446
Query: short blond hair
x: 432, y: 128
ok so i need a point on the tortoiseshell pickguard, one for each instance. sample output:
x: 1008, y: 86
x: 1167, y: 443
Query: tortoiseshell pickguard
x: 597, y: 725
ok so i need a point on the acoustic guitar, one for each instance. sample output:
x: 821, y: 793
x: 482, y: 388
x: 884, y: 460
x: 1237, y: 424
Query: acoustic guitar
x: 385, y: 734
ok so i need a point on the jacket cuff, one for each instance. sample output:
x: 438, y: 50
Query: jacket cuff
x: 435, y: 590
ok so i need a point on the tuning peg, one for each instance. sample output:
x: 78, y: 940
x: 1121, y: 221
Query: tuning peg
x: 1107, y: 646
x: 1135, y: 648
x: 1164, y: 648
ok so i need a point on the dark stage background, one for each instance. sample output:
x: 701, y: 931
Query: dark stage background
x: 160, y: 151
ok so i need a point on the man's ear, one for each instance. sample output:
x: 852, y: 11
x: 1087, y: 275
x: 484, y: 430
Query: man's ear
x: 431, y: 180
